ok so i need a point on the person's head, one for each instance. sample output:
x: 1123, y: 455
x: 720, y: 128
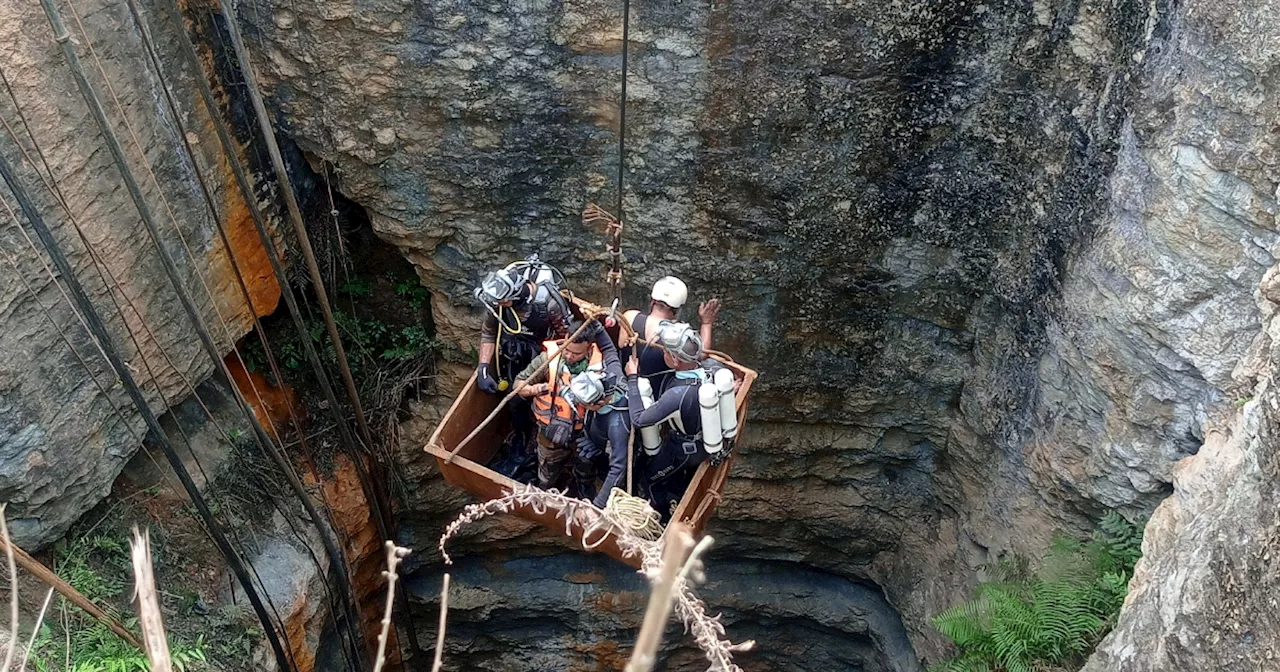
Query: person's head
x: 500, y: 289
x: 668, y: 294
x: 681, y: 345
x: 577, y: 348
x: 576, y: 351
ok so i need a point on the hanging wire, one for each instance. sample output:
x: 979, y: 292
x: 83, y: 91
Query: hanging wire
x: 622, y: 106
x: 335, y: 555
x: 235, y: 562
x: 615, y: 226
x: 265, y: 441
x: 383, y: 511
x: 171, y: 271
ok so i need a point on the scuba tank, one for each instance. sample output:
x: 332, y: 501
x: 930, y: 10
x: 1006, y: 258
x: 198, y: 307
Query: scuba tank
x: 650, y: 436
x: 723, y: 379
x: 533, y: 269
x: 709, y: 401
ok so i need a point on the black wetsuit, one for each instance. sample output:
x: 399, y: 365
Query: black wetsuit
x: 543, y: 317
x: 610, y: 430
x: 649, y: 359
x: 669, y: 471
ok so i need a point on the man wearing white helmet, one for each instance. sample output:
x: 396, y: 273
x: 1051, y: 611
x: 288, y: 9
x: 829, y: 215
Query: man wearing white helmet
x: 666, y: 298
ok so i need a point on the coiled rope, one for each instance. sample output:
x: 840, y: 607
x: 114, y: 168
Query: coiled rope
x: 627, y: 513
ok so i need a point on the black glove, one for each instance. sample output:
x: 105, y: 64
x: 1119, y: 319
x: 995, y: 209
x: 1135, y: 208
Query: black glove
x: 587, y: 449
x: 484, y: 381
x: 723, y: 455
x: 610, y: 382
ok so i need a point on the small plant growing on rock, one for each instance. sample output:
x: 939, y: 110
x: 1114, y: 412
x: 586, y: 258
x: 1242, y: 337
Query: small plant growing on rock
x: 1021, y: 620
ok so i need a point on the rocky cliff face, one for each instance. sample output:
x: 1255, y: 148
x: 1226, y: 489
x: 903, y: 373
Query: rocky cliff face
x: 62, y: 441
x: 995, y: 262
x: 991, y: 286
x: 1207, y: 576
x: 986, y: 298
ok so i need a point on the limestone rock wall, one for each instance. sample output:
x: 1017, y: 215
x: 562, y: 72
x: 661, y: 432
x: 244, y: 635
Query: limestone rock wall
x: 905, y: 207
x: 995, y: 262
x: 1201, y: 593
x: 61, y: 440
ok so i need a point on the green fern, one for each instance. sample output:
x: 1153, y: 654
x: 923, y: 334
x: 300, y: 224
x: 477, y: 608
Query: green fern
x: 1020, y: 621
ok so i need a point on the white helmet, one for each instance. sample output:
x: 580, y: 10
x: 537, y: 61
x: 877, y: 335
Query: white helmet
x: 671, y: 291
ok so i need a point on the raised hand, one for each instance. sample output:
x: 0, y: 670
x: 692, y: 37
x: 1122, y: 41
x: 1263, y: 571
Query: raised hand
x: 708, y: 311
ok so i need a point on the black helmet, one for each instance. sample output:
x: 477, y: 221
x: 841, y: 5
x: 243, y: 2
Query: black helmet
x: 501, y: 286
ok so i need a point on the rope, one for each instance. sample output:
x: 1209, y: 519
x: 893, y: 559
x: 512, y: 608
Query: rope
x: 238, y: 171
x: 95, y: 322
x: 633, y: 514
x: 113, y: 145
x: 622, y: 107
x: 383, y: 517
x: 230, y: 152
x: 626, y: 514
x: 615, y: 227
x: 113, y: 287
x: 336, y: 557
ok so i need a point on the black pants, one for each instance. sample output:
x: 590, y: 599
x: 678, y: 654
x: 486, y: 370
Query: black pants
x: 517, y: 352
x: 669, y: 473
x: 610, y: 432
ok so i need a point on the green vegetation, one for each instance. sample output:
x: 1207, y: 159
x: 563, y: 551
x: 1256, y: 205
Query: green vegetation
x: 357, y: 287
x: 1049, y: 619
x: 94, y: 648
x: 97, y: 565
x: 372, y: 344
x: 205, y: 635
x: 412, y: 291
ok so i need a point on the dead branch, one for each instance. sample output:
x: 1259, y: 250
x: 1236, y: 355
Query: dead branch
x: 394, y: 555
x: 46, y: 575
x: 444, y: 616
x: 707, y: 631
x: 149, y: 603
x: 13, y: 591
x: 677, y: 543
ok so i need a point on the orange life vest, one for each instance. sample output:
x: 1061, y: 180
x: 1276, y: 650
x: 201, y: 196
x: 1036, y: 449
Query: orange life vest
x: 553, y: 404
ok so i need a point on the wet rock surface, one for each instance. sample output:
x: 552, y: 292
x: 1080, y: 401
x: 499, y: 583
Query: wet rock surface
x: 577, y: 612
x: 996, y: 265
x: 990, y: 287
x: 1207, y: 579
x: 63, y: 439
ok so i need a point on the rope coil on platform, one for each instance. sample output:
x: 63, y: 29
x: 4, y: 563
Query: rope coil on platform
x: 624, y: 512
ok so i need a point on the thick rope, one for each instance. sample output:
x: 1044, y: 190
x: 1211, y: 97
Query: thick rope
x: 263, y: 440
x: 383, y: 514
x: 633, y: 514
x: 113, y: 145
x: 182, y: 432
x: 238, y: 171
